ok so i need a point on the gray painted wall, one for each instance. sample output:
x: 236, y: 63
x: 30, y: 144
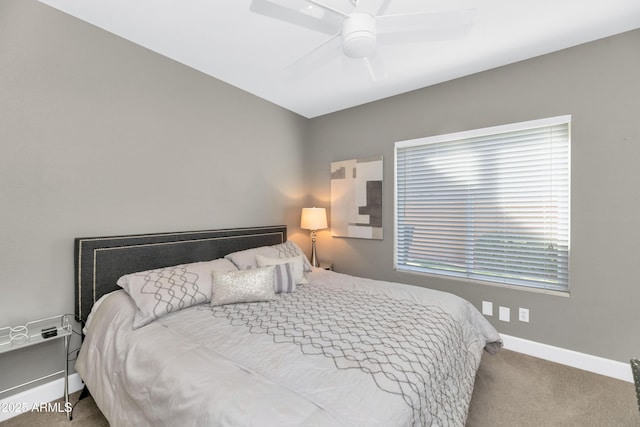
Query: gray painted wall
x: 598, y: 84
x: 99, y: 136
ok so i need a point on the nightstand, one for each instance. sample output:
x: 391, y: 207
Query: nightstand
x: 326, y: 265
x: 34, y: 333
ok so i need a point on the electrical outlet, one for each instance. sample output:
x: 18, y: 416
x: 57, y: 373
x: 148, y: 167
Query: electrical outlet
x: 523, y: 314
x: 505, y: 314
x: 487, y: 308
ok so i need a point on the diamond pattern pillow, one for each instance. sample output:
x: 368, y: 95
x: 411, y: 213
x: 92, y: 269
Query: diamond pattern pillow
x: 164, y: 290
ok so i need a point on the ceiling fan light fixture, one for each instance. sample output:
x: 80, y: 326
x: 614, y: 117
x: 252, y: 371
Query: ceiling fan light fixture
x: 359, y: 35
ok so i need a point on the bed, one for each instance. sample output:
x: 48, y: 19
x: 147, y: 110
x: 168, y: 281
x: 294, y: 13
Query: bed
x: 235, y: 328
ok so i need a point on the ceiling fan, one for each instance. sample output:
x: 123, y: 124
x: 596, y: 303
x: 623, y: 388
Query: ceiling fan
x: 362, y: 27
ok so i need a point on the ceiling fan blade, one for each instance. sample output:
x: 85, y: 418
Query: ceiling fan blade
x: 375, y: 67
x: 295, y: 14
x: 371, y: 66
x: 421, y: 36
x: 329, y: 8
x: 410, y: 22
x: 383, y: 7
x: 316, y: 58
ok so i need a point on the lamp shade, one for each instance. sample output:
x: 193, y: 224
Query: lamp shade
x: 313, y: 218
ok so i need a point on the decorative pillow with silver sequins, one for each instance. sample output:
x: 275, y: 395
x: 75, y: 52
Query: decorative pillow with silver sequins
x: 252, y: 285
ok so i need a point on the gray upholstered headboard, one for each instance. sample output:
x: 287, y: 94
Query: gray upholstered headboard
x: 100, y: 261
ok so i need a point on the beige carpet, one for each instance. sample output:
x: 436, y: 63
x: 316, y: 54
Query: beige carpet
x: 512, y: 390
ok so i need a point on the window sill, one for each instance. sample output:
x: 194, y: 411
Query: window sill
x: 564, y: 294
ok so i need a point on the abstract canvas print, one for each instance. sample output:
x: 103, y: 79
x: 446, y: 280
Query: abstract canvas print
x: 356, y: 198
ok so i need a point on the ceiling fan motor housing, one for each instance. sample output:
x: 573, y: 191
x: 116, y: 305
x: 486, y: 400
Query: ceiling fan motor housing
x: 359, y: 35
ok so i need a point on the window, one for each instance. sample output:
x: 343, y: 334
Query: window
x: 490, y: 204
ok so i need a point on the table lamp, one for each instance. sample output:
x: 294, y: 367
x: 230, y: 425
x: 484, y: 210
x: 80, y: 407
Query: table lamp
x: 313, y: 219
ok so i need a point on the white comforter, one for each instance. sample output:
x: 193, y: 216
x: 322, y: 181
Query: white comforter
x: 340, y: 351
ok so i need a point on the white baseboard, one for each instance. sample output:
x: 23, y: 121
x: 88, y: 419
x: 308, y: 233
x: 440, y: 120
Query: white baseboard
x: 586, y: 362
x: 14, y: 405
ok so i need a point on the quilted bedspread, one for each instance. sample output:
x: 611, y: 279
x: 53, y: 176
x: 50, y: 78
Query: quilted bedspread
x: 340, y: 350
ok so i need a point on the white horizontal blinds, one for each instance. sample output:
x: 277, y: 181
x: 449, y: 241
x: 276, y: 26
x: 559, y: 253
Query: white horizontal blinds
x: 486, y: 205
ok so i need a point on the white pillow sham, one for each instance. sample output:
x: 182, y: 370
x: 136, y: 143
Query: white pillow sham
x: 247, y: 259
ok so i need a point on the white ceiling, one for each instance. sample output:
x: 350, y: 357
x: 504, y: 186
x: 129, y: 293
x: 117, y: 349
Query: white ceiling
x: 253, y: 52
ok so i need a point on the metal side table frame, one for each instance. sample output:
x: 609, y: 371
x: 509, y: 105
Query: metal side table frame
x: 17, y: 337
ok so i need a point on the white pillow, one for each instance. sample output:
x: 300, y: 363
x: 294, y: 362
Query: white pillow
x: 165, y: 290
x: 297, y: 266
x: 247, y: 258
x: 242, y: 286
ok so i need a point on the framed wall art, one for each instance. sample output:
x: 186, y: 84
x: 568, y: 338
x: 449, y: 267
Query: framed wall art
x: 356, y: 198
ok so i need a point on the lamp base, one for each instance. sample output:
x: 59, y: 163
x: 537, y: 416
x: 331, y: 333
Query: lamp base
x: 314, y: 256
